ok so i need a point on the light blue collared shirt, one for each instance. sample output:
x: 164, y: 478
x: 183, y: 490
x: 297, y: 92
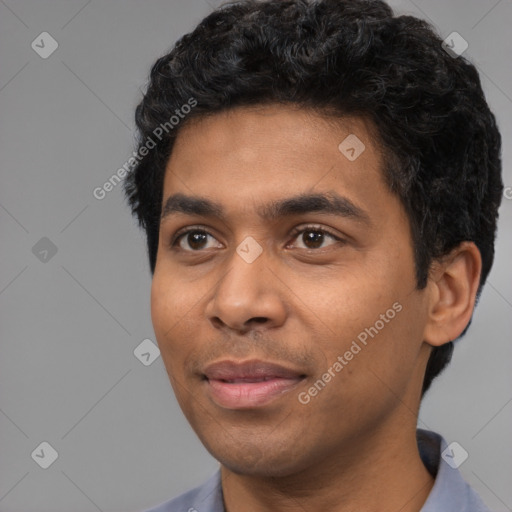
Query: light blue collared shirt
x: 450, y: 493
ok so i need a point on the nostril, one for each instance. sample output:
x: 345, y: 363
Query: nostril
x: 259, y: 319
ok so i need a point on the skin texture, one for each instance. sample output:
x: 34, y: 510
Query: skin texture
x: 302, y: 304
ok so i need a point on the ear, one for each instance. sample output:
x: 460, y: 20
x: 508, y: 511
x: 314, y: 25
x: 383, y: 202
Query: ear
x: 453, y: 284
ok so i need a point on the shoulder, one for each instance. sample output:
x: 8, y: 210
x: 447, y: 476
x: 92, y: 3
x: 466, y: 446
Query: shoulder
x: 205, y: 498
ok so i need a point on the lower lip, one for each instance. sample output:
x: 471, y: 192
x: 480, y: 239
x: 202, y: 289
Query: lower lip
x: 246, y: 395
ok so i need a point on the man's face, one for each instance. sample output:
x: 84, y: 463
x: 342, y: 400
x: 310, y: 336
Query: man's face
x: 313, y: 316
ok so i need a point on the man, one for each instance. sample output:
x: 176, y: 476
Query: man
x: 319, y: 184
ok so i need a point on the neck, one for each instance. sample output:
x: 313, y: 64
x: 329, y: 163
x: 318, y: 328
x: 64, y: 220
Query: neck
x: 382, y: 472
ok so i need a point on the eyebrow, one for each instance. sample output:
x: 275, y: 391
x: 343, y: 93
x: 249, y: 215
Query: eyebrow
x: 327, y: 203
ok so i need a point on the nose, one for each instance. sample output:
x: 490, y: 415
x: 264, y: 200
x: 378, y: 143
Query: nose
x: 247, y: 296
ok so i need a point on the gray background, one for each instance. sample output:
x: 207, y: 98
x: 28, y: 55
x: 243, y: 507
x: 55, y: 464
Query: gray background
x: 70, y: 324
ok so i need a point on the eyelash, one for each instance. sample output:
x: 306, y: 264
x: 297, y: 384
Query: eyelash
x: 297, y: 231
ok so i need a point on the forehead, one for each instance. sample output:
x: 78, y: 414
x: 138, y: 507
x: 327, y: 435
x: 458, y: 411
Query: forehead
x: 273, y: 151
x: 247, y: 132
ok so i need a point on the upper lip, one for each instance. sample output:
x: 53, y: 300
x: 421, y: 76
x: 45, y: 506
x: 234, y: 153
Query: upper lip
x: 254, y: 369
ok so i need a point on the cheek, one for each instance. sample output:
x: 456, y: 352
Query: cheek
x: 357, y: 300
x: 171, y: 312
x: 375, y: 326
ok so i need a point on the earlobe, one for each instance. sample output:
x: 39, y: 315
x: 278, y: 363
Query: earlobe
x: 452, y: 288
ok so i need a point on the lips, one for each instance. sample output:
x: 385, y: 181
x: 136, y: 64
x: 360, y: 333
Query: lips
x: 249, y: 384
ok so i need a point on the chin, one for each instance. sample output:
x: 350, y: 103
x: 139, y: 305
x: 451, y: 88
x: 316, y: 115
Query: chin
x: 246, y: 458
x: 261, y: 468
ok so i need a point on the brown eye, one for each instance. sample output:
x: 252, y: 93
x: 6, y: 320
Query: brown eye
x: 313, y: 237
x: 195, y: 239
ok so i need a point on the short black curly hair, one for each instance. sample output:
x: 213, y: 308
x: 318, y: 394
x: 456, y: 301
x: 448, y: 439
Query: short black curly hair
x: 340, y: 57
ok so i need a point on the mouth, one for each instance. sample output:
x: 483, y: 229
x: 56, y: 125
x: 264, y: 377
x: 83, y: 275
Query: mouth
x: 250, y: 384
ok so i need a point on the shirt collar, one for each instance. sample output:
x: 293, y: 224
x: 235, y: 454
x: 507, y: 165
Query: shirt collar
x: 450, y: 490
